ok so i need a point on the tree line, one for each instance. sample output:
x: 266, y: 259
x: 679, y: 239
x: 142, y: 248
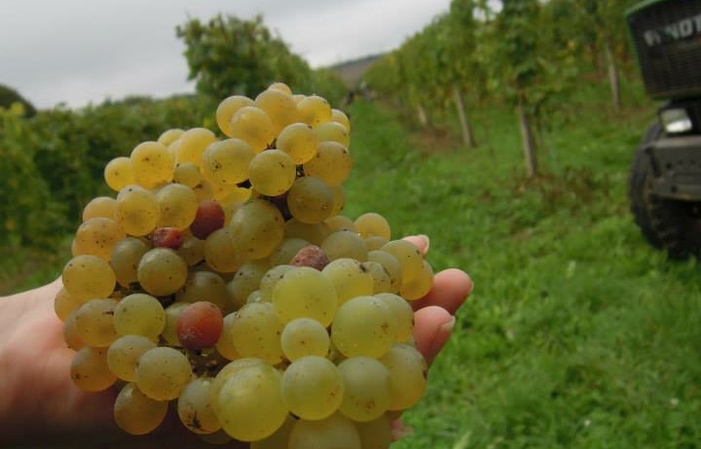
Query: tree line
x: 525, y: 53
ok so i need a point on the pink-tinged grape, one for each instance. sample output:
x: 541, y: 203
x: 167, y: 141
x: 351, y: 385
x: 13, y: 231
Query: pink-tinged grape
x: 310, y: 256
x: 167, y: 237
x: 209, y: 218
x: 199, y: 325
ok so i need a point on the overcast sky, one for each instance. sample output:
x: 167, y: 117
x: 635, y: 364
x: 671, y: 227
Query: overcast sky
x: 82, y: 51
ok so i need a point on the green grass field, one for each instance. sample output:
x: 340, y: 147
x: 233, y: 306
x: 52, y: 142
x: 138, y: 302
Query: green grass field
x: 578, y: 334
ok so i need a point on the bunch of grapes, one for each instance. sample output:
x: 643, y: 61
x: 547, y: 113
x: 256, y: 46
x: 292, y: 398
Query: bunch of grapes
x: 222, y: 280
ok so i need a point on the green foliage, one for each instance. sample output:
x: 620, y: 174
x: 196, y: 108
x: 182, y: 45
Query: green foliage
x: 228, y: 56
x: 8, y: 96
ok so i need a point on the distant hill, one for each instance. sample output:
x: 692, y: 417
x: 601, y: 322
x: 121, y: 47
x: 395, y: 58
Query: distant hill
x: 351, y: 72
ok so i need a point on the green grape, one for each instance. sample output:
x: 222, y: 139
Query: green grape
x: 161, y: 272
x: 86, y: 277
x: 204, y: 286
x: 340, y: 223
x: 169, y: 136
x: 297, y: 140
x: 408, y: 374
x: 312, y: 387
x: 162, y: 373
x: 195, y: 407
x: 178, y: 206
x: 382, y: 281
x: 304, y: 292
x: 173, y: 312
x: 363, y: 326
x: 332, y: 163
x: 302, y: 337
x: 119, y: 173
x: 344, y: 244
x: 192, y: 143
x: 339, y: 200
x: 375, y: 434
x: 334, y: 132
x: 139, y: 314
x: 97, y: 236
x: 101, y: 206
x: 339, y: 116
x: 246, y: 280
x: 279, y: 106
x: 250, y: 405
x: 408, y: 256
x: 403, y: 314
x: 89, y: 370
x: 256, y: 229
x: 125, y: 258
x: 225, y: 374
x: 226, y: 162
x: 286, y: 251
x: 252, y: 124
x: 314, y: 110
x: 349, y: 278
x: 279, y: 439
x: 138, y: 210
x: 419, y: 286
x: 391, y: 266
x: 255, y: 331
x: 64, y: 304
x: 123, y: 355
x: 152, y: 163
x: 221, y: 252
x: 314, y: 233
x: 188, y: 174
x: 225, y: 345
x: 226, y: 110
x: 310, y: 200
x: 335, y: 431
x: 136, y: 413
x: 367, y: 393
x: 270, y: 279
x: 272, y: 172
x: 372, y: 224
x: 375, y: 242
x: 191, y: 250
x: 94, y: 322
x: 70, y: 332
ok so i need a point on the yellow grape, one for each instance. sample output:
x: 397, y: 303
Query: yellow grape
x: 344, y: 244
x: 125, y: 258
x: 139, y: 314
x: 279, y: 106
x: 335, y: 431
x: 367, y: 388
x: 363, y: 326
x: 314, y: 110
x: 161, y: 272
x: 375, y: 434
x: 152, y: 163
x: 272, y: 172
x: 312, y: 387
x: 136, y: 413
x: 408, y: 256
x: 332, y: 163
x: 372, y: 224
x: 123, y: 355
x: 97, y: 236
x: 302, y: 337
x: 226, y: 162
x: 173, y: 312
x: 256, y: 229
x: 178, y: 206
x: 138, y: 210
x: 333, y: 131
x: 119, y: 173
x: 339, y: 116
x: 188, y: 174
x: 192, y: 144
x: 408, y: 375
x: 255, y: 331
x: 252, y: 124
x: 195, y: 408
x: 101, y: 206
x: 349, y: 278
x: 162, y: 373
x: 391, y: 265
x: 94, y: 322
x: 204, y: 285
x: 310, y: 200
x: 304, y: 292
x: 64, y: 304
x: 227, y: 108
x: 89, y: 370
x: 282, y: 87
x: 169, y: 136
x: 299, y: 141
x: 221, y: 252
x: 86, y: 277
x: 420, y: 285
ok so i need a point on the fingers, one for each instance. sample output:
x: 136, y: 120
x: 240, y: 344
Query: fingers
x: 451, y: 287
x: 433, y: 326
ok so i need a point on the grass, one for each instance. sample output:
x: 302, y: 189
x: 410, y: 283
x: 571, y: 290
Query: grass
x: 578, y: 334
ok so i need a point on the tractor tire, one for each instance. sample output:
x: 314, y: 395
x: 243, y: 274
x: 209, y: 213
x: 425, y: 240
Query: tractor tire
x: 673, y: 226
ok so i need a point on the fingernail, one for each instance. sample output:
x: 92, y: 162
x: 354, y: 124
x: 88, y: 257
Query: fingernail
x: 427, y: 242
x: 448, y: 327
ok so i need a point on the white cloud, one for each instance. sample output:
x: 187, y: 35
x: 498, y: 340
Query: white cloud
x: 81, y: 51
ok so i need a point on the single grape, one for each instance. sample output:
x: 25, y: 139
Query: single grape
x: 335, y: 431
x: 89, y: 370
x: 123, y: 355
x: 208, y: 218
x: 195, y: 408
x: 364, y: 326
x: 161, y: 272
x: 139, y: 314
x: 136, y: 413
x: 162, y: 373
x: 199, y: 325
x: 312, y: 387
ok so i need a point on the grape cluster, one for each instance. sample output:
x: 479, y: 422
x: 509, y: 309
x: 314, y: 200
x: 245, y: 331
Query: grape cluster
x: 222, y: 279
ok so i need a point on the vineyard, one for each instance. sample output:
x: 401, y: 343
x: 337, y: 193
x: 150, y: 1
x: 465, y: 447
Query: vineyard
x: 578, y: 334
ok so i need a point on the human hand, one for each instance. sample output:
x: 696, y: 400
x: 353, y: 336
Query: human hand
x: 41, y: 406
